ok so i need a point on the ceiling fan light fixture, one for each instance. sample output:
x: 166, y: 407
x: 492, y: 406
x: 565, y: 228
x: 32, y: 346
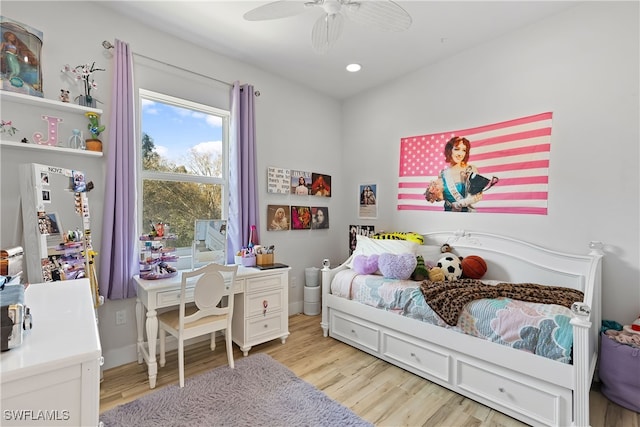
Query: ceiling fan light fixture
x: 354, y: 68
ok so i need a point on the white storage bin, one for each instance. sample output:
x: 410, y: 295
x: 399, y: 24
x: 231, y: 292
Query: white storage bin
x: 312, y: 300
x: 311, y: 276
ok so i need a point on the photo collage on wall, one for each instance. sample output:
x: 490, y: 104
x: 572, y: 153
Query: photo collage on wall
x: 297, y: 183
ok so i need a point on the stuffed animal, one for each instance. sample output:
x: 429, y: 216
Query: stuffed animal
x: 451, y: 266
x: 436, y: 274
x: 473, y: 267
x: 398, y: 235
x: 421, y: 272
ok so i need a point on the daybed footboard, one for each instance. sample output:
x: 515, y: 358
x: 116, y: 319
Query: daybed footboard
x: 533, y: 389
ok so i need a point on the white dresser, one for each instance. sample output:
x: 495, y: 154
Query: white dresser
x: 53, y: 378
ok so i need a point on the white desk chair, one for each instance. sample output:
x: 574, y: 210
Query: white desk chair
x: 205, y: 317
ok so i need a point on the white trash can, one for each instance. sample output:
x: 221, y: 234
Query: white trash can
x: 312, y: 305
x: 311, y: 276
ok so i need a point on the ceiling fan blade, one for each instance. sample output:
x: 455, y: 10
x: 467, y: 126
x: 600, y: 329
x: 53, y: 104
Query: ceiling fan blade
x: 326, y: 31
x: 278, y: 9
x: 384, y: 15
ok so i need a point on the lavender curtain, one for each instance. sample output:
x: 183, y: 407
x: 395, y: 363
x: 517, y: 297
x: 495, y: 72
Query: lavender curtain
x: 243, y: 179
x: 118, y: 254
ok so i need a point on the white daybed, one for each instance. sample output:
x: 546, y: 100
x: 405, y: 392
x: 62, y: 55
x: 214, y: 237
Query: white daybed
x: 530, y: 388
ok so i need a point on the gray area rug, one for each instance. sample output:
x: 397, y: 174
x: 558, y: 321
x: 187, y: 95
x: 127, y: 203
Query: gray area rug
x: 258, y: 392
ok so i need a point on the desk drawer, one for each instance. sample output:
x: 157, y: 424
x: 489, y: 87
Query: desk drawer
x: 256, y: 284
x: 256, y: 302
x: 263, y: 328
x: 172, y: 297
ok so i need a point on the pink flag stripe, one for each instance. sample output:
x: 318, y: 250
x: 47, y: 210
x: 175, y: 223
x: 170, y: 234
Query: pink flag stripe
x: 525, y: 195
x: 512, y: 210
x: 517, y: 136
x: 497, y: 126
x: 487, y: 170
x: 542, y: 148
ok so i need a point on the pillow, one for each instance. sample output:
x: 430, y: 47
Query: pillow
x: 367, y: 246
x: 397, y: 266
x: 363, y: 264
x: 430, y: 253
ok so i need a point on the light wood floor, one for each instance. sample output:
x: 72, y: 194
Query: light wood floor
x: 377, y: 391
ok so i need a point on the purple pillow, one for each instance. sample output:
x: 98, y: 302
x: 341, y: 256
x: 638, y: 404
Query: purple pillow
x: 397, y: 266
x: 363, y: 264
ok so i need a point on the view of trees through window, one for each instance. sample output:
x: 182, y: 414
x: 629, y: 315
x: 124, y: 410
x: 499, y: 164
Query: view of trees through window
x: 183, y: 164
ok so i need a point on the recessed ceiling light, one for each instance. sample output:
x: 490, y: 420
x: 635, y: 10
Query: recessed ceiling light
x: 354, y: 68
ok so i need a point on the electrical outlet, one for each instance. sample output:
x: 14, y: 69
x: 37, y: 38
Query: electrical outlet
x: 293, y: 282
x: 121, y: 317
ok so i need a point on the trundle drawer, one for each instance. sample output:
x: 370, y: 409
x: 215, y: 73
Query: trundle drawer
x: 408, y: 352
x: 530, y: 399
x: 351, y: 329
x: 263, y: 328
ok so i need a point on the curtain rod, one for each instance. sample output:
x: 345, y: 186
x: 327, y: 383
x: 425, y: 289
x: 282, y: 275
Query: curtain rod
x: 107, y: 45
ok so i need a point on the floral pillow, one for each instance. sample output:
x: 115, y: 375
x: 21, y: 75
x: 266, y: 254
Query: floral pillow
x: 363, y: 264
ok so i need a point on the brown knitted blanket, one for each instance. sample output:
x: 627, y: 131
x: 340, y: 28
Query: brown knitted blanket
x: 447, y: 299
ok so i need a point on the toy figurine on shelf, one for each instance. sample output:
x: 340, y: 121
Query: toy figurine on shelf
x: 94, y: 143
x: 64, y: 95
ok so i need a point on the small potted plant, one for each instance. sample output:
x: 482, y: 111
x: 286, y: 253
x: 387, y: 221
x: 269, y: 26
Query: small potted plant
x: 94, y: 143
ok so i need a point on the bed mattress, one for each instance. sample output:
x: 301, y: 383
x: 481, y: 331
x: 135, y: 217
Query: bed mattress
x: 541, y: 329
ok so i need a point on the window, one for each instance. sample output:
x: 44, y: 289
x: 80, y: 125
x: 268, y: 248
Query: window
x: 183, y: 165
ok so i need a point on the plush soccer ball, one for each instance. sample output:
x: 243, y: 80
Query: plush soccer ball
x: 451, y: 267
x: 473, y: 267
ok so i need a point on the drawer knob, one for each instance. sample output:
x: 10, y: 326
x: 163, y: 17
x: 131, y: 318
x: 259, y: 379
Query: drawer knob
x: 413, y: 354
x: 501, y: 389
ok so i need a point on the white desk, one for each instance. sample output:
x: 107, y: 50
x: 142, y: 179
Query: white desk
x: 55, y: 373
x: 260, y: 310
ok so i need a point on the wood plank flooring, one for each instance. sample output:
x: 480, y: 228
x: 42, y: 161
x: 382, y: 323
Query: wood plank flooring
x: 377, y: 391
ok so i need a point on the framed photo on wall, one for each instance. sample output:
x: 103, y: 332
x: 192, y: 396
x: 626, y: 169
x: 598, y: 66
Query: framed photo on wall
x: 368, y: 201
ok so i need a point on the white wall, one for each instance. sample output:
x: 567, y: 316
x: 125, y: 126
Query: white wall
x: 583, y: 66
x: 292, y: 121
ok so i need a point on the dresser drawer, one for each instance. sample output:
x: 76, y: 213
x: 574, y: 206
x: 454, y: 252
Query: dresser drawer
x: 540, y: 401
x: 351, y: 329
x: 263, y: 328
x: 256, y: 284
x: 267, y: 301
x: 408, y: 352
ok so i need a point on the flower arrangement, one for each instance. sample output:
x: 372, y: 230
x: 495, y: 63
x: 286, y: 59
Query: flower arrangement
x: 7, y: 127
x: 84, y: 73
x: 94, y: 125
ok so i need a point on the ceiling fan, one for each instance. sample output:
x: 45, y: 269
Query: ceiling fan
x: 384, y: 15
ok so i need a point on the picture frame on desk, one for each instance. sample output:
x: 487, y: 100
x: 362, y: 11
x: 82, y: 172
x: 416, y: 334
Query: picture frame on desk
x: 21, y: 51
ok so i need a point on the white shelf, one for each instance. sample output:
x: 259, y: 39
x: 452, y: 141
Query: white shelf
x: 30, y: 146
x: 50, y: 103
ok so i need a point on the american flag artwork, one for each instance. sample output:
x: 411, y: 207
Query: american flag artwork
x: 516, y: 152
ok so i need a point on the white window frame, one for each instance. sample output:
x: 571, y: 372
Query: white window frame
x: 180, y: 177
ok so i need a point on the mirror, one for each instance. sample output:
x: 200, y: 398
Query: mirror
x: 55, y: 215
x: 209, y: 242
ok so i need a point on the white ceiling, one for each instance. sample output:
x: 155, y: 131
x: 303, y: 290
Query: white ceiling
x: 440, y: 29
